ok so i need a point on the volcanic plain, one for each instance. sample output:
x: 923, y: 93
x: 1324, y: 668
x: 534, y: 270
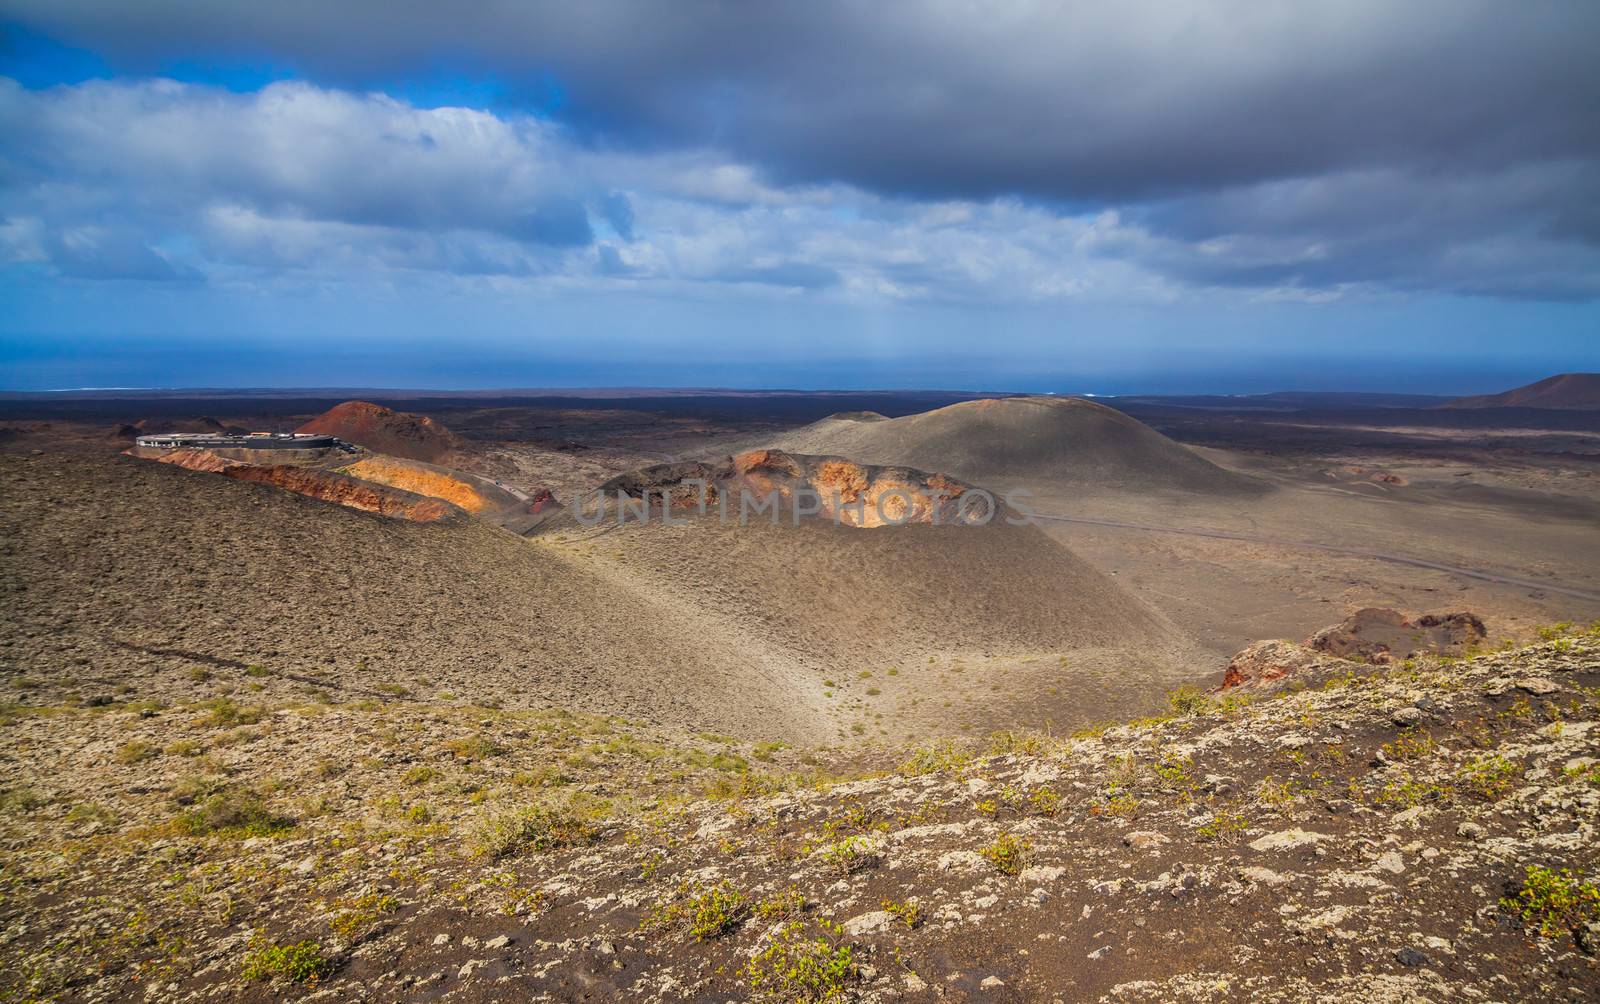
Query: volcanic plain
x: 1274, y: 698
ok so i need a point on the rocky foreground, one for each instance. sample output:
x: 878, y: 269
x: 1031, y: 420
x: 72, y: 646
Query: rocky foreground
x: 1421, y: 831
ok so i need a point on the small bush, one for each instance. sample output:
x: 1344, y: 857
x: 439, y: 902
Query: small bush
x: 1006, y: 854
x: 798, y: 969
x: 1025, y: 741
x: 1044, y: 802
x: 705, y: 912
x: 1411, y: 744
x: 535, y: 827
x: 784, y: 905
x: 136, y: 751
x: 1223, y: 828
x: 233, y: 814
x: 1187, y: 700
x: 224, y: 713
x: 763, y: 751
x: 301, y: 962
x: 22, y: 800
x: 944, y: 757
x: 908, y: 912
x: 847, y: 856
x: 257, y: 671
x: 1553, y: 903
x: 420, y: 775
x: 361, y: 912
x: 1490, y: 777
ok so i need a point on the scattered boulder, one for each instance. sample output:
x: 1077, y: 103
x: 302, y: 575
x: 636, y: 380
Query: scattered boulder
x: 1372, y: 636
x: 1287, y: 840
x: 1380, y: 635
x: 1268, y: 665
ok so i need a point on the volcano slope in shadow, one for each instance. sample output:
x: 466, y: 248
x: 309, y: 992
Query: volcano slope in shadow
x: 1055, y: 441
x: 1567, y: 391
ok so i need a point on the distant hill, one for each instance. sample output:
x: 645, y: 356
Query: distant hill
x: 397, y: 433
x: 1023, y: 440
x: 1567, y: 391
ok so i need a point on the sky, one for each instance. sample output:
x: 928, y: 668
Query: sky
x: 1140, y: 197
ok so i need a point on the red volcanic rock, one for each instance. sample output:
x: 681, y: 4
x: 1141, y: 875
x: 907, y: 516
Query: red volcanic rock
x: 861, y: 495
x: 384, y: 430
x: 1265, y: 665
x: 316, y: 483
x: 541, y: 500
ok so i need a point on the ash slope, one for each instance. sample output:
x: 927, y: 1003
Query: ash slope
x: 122, y: 572
x: 1058, y: 441
x: 703, y: 626
x: 1005, y: 623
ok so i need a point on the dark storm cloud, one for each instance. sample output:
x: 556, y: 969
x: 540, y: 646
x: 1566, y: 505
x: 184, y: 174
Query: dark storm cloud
x: 1086, y: 101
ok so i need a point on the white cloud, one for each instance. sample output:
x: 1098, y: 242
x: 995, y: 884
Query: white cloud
x: 157, y: 180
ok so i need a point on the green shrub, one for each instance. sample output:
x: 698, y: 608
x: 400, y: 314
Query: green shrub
x: 1187, y: 700
x: 1044, y: 802
x: 233, y: 814
x: 1411, y: 744
x: 909, y: 912
x: 798, y: 969
x: 783, y: 905
x: 224, y: 713
x: 705, y: 912
x: 943, y: 757
x: 136, y: 751
x: 535, y: 827
x: 362, y: 912
x: 1223, y: 828
x: 1006, y: 854
x: 847, y: 856
x: 420, y: 775
x: 301, y: 962
x: 1553, y: 903
x: 1490, y: 777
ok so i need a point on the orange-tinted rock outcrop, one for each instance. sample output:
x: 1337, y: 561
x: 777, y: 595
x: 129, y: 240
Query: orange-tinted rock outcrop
x: 316, y: 483
x: 860, y: 495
